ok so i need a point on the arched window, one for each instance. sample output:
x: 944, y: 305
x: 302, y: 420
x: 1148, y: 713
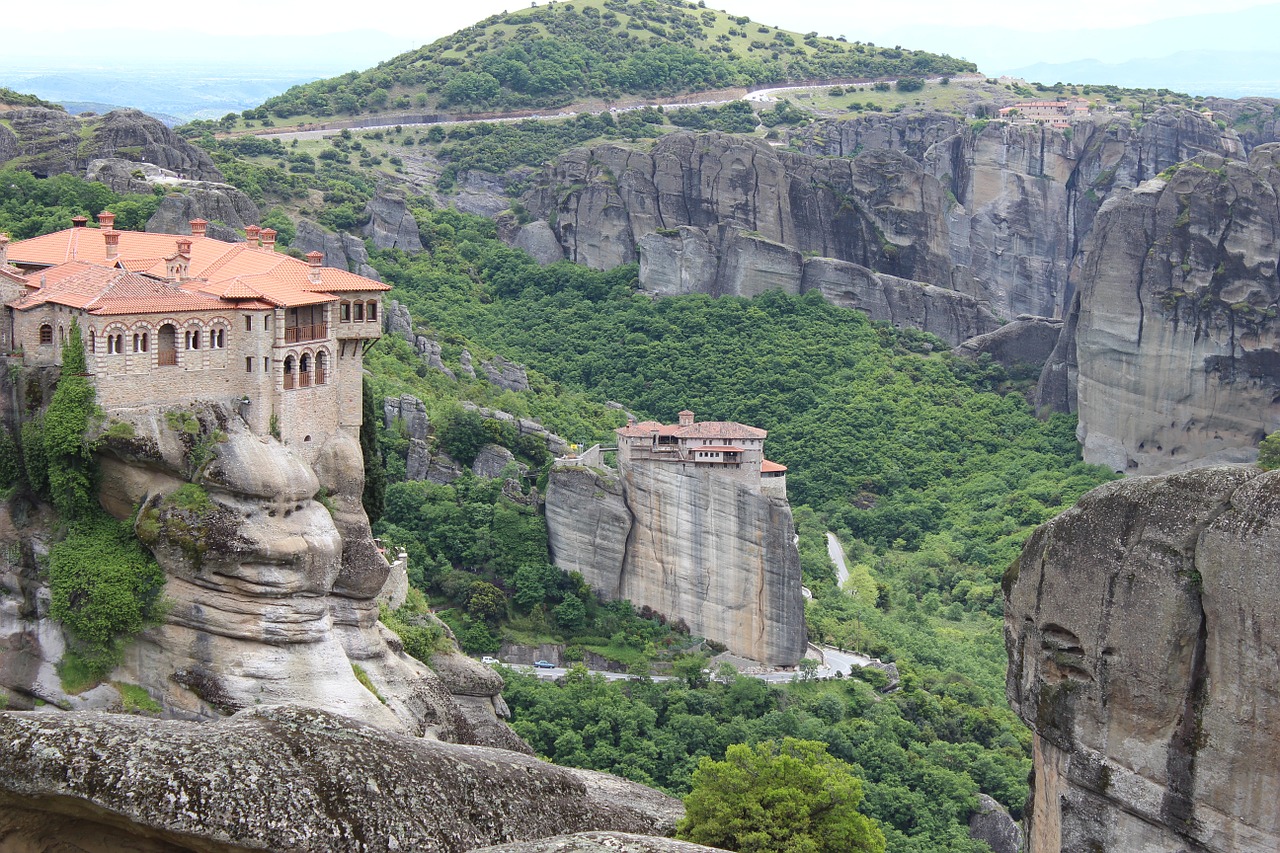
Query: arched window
x: 371, y: 312
x: 193, y: 339
x: 304, y: 370
x: 62, y: 336
x: 322, y: 367
x: 288, y: 373
x: 217, y: 337
x: 46, y: 334
x: 93, y: 341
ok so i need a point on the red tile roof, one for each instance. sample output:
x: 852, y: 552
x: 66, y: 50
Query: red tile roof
x: 769, y: 467
x: 722, y: 430
x: 219, y: 267
x: 107, y: 291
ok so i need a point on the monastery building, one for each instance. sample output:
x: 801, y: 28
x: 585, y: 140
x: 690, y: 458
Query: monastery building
x: 175, y: 319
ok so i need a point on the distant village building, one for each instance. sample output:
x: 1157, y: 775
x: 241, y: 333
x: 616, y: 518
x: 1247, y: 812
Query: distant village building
x: 732, y: 449
x: 1052, y: 113
x: 174, y: 319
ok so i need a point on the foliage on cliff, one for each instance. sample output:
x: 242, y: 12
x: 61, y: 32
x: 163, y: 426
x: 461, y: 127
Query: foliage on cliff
x: 31, y: 206
x: 557, y: 53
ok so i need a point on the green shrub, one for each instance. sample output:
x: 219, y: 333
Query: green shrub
x: 1269, y: 452
x: 366, y: 682
x: 105, y: 588
x: 135, y: 699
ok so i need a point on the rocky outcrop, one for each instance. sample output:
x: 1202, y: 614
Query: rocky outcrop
x: 507, y: 375
x: 51, y: 142
x: 1177, y: 346
x: 341, y: 251
x: 287, y: 778
x: 993, y: 826
x: 1025, y: 343
x: 225, y: 208
x: 391, y: 225
x: 1143, y: 652
x: 271, y: 596
x: 689, y: 543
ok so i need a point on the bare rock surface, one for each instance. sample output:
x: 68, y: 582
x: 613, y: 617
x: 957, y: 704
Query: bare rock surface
x: 288, y: 778
x: 993, y: 826
x: 599, y: 842
x: 1143, y: 652
x: 1177, y: 347
x: 1024, y: 342
x: 391, y: 225
x: 691, y: 545
x: 341, y: 251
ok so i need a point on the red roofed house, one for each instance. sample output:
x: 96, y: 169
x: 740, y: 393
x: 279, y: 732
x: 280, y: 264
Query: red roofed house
x: 173, y: 319
x: 733, y: 449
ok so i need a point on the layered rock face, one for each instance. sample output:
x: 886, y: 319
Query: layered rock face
x: 690, y: 544
x: 286, y: 778
x: 1144, y: 653
x: 995, y: 211
x: 271, y: 596
x: 1177, y: 346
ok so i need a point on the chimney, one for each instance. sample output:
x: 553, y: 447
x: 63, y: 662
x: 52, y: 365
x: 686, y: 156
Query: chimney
x: 113, y: 244
x: 686, y: 418
x: 107, y: 220
x: 4, y: 250
x: 184, y: 246
x: 79, y: 221
x: 251, y: 233
x: 198, y: 227
x: 314, y: 261
x: 269, y: 239
x: 178, y: 265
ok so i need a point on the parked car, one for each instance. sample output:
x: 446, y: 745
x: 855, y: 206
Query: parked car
x: 544, y: 664
x: 489, y: 660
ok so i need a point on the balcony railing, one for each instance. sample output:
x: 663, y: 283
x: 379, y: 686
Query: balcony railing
x: 319, y: 375
x: 167, y: 357
x: 313, y: 332
x: 304, y: 379
x: 288, y: 382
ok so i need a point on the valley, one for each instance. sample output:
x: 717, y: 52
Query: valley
x: 985, y: 365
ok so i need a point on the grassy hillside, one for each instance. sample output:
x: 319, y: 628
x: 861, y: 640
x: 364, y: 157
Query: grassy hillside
x: 557, y: 54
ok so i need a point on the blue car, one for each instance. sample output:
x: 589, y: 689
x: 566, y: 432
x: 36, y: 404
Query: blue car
x: 545, y: 664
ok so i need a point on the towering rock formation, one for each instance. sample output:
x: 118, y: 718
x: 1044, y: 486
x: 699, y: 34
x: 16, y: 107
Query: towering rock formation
x: 703, y: 540
x: 1144, y: 653
x: 1177, y: 342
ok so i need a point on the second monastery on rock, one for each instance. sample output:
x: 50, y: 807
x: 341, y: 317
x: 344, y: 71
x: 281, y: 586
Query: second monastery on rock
x: 169, y: 318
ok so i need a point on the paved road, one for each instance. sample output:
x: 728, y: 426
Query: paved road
x: 836, y: 551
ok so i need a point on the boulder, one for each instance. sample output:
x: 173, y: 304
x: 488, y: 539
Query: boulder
x: 1026, y: 342
x: 993, y: 826
x: 491, y: 461
x: 341, y: 251
x: 288, y: 778
x: 507, y: 375
x: 227, y: 210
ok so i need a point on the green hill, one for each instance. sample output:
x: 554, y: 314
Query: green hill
x: 554, y: 55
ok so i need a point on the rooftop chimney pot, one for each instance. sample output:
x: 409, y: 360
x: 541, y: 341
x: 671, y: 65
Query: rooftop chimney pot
x: 315, y: 259
x: 106, y: 219
x: 79, y: 221
x: 251, y: 233
x: 113, y: 244
x: 198, y: 227
x: 268, y: 238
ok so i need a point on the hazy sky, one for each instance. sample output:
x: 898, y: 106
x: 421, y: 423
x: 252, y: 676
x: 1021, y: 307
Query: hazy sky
x: 419, y: 22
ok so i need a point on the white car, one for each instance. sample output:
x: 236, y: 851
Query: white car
x: 489, y: 660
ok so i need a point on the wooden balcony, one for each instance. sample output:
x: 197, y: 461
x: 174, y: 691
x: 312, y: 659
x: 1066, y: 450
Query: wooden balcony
x: 313, y: 332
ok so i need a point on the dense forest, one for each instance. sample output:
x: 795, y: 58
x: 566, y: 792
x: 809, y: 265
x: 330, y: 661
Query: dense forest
x: 558, y: 53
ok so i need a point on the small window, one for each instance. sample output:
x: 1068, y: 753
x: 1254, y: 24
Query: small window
x: 137, y: 342
x: 46, y: 334
x: 93, y: 341
x: 248, y: 323
x: 266, y: 364
x: 218, y: 338
x: 266, y: 321
x: 248, y: 364
x: 346, y: 312
x: 359, y: 306
x: 372, y: 312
